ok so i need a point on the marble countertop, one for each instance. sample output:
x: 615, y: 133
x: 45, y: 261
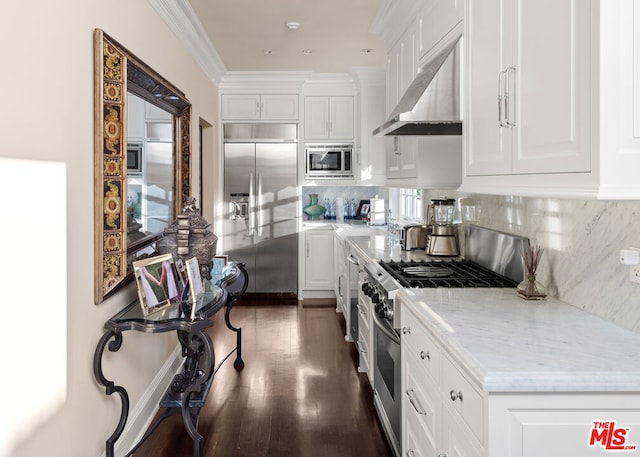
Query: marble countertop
x: 507, y: 344
x: 380, y: 247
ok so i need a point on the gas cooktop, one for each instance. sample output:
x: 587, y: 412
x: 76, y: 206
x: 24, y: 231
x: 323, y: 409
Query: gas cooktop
x: 454, y: 273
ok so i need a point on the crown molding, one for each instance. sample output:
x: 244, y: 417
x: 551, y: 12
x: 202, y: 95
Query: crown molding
x: 182, y: 20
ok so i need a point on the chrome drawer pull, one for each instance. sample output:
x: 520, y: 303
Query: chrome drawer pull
x: 411, y: 453
x: 425, y: 355
x: 360, y: 348
x: 414, y: 403
x: 455, y: 395
x: 406, y: 330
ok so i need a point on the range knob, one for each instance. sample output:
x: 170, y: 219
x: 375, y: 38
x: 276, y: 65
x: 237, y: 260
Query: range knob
x: 375, y: 298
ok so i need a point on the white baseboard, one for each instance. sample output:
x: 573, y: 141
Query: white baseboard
x: 141, y: 416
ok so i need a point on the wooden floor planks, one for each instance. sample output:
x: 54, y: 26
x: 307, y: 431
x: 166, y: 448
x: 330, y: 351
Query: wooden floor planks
x: 299, y: 394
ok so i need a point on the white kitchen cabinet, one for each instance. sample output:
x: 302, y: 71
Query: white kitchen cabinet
x: 370, y: 113
x: 259, y: 107
x: 328, y: 118
x: 340, y: 275
x: 445, y: 411
x: 318, y: 258
x: 529, y: 94
x: 436, y: 20
x: 401, y: 69
x: 564, y: 98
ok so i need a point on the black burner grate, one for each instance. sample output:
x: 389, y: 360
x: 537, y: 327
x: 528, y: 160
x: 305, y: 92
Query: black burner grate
x: 456, y: 273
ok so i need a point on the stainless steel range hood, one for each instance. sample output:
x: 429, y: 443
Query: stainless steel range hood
x: 431, y: 104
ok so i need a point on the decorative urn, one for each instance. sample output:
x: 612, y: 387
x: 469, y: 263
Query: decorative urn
x: 190, y: 236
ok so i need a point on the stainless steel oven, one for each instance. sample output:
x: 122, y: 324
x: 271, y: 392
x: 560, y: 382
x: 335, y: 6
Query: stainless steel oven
x: 386, y: 380
x: 328, y: 160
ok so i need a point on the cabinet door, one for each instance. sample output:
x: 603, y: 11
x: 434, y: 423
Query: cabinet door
x: 318, y: 261
x: 279, y: 107
x: 435, y: 20
x: 341, y: 118
x: 240, y: 107
x: 487, y: 144
x: 552, y: 85
x: 316, y: 118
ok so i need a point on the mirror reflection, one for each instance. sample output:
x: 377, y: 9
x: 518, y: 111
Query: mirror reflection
x: 149, y: 168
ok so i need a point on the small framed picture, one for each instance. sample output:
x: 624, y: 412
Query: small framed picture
x: 363, y: 209
x: 217, y: 272
x: 158, y: 281
x: 195, y: 283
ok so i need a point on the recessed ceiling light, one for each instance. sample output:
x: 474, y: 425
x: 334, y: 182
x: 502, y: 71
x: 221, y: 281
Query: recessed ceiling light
x: 307, y: 52
x: 366, y: 50
x: 267, y: 52
x: 293, y: 25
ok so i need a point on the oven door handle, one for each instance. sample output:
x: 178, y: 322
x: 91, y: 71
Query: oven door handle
x: 385, y: 328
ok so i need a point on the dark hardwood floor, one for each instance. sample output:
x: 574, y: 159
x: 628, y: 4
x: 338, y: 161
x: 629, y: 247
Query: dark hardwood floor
x: 299, y: 394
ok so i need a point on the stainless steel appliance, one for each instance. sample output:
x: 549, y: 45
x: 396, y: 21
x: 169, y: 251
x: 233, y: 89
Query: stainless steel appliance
x: 493, y: 260
x: 431, y: 104
x: 414, y: 236
x: 261, y: 200
x: 442, y: 239
x: 328, y: 160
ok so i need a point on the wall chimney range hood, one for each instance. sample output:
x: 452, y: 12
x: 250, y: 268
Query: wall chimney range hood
x: 431, y: 104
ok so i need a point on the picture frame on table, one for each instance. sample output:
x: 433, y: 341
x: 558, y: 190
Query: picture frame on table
x: 195, y: 283
x: 159, y: 283
x: 363, y: 209
x: 217, y: 272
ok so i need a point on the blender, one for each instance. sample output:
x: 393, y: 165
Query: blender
x: 442, y: 240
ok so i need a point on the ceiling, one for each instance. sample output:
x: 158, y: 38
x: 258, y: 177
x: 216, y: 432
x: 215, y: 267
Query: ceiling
x: 252, y: 35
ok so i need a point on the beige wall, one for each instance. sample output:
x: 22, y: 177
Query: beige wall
x: 47, y: 95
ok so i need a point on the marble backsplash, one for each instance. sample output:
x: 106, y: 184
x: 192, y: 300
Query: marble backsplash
x: 581, y: 240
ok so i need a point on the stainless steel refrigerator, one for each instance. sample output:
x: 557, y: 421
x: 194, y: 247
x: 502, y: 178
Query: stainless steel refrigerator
x: 261, y: 201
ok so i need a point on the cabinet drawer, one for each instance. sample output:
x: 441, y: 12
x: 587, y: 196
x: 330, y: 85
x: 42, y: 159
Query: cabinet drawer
x: 421, y: 348
x: 363, y: 348
x: 363, y: 317
x: 463, y: 398
x: 421, y: 406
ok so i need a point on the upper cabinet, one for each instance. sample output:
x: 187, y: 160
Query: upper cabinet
x: 552, y: 114
x: 328, y: 118
x: 436, y: 20
x: 528, y: 93
x: 266, y: 107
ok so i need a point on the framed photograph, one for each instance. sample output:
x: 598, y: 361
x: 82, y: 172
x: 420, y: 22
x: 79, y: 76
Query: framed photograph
x: 363, y: 209
x: 195, y: 281
x: 217, y: 272
x: 158, y: 281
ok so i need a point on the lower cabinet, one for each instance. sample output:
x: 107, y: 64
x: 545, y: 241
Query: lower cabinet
x: 317, y: 263
x: 446, y: 413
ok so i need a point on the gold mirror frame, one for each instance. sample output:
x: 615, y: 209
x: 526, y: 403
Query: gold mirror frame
x: 117, y: 71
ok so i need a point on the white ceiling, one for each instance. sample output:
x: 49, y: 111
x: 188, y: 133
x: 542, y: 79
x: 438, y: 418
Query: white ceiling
x: 336, y: 32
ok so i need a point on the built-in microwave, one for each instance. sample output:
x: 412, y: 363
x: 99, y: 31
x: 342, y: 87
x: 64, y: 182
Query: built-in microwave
x: 328, y: 160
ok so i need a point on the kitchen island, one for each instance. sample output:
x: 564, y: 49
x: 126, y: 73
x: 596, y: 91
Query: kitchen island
x: 506, y: 377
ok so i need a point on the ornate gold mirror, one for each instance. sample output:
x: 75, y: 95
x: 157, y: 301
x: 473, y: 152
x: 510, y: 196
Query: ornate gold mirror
x: 149, y: 170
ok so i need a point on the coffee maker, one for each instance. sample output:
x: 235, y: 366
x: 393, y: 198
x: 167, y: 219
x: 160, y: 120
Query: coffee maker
x: 442, y: 239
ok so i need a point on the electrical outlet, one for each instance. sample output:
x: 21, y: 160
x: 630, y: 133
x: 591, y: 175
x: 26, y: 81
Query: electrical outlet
x: 634, y: 273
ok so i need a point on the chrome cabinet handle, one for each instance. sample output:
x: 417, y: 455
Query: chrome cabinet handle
x: 502, y: 76
x: 360, y: 348
x: 406, y: 330
x: 414, y: 402
x: 307, y: 249
x: 411, y: 453
x: 510, y: 80
x: 455, y: 395
x: 396, y: 146
x: 425, y: 355
x: 353, y: 260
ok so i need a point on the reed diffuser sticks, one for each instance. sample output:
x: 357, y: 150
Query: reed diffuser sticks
x: 530, y: 288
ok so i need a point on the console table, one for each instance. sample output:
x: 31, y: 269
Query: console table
x: 189, y: 389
